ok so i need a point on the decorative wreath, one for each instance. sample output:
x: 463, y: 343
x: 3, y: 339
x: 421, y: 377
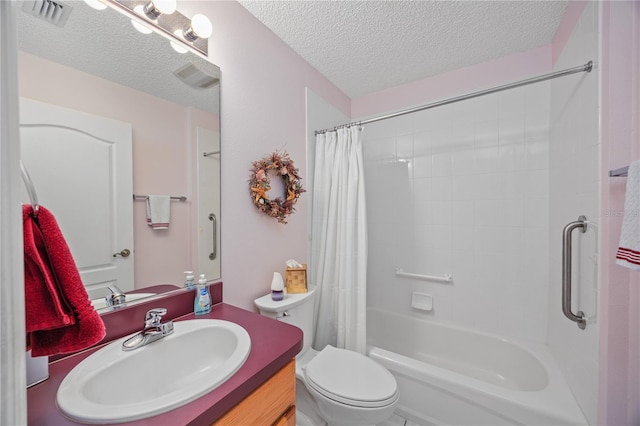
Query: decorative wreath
x: 259, y: 184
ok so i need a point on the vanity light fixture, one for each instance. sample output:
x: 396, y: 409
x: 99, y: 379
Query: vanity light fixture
x: 162, y: 17
x: 155, y: 8
x: 200, y: 27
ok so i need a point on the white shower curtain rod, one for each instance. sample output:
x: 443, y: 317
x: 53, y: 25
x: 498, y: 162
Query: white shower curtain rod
x: 582, y: 68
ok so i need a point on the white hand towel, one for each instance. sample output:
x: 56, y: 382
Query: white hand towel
x: 158, y: 211
x: 628, y: 254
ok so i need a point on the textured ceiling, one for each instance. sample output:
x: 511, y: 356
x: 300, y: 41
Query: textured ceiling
x: 105, y: 44
x: 367, y: 46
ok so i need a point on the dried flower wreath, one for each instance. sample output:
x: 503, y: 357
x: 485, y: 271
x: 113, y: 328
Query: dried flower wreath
x: 260, y: 183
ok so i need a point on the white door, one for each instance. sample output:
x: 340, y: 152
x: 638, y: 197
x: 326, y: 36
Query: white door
x: 208, y: 203
x: 81, y: 168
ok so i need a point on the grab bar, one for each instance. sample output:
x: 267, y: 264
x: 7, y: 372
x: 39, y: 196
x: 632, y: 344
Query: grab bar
x: 578, y: 317
x: 214, y: 253
x: 445, y: 278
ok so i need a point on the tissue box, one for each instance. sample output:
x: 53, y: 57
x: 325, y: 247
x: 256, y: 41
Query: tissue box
x: 296, y: 279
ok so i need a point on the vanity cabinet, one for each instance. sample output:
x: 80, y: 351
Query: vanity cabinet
x: 273, y: 403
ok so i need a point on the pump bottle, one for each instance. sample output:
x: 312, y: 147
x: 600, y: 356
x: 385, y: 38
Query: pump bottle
x: 202, y: 301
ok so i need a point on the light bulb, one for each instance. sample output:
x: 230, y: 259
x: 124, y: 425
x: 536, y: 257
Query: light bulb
x: 165, y: 6
x: 155, y: 8
x: 96, y: 4
x: 201, y: 25
x: 178, y: 48
x: 200, y: 28
x: 144, y: 29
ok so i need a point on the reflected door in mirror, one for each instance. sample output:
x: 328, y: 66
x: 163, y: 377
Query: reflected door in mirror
x: 80, y: 165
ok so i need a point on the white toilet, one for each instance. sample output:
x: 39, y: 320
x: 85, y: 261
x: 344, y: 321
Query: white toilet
x: 342, y: 387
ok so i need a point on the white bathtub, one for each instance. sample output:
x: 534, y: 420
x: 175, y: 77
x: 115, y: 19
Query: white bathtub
x: 451, y: 376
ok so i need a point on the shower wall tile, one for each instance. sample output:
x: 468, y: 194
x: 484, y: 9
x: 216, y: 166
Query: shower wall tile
x: 404, y: 145
x: 442, y: 164
x: 477, y: 208
x: 464, y: 162
x: 487, y: 107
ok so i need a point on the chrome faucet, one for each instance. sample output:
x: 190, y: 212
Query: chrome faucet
x: 116, y: 296
x: 153, y: 330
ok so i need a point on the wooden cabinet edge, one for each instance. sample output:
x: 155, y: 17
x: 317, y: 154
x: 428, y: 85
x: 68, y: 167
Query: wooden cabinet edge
x: 288, y: 418
x: 270, y: 404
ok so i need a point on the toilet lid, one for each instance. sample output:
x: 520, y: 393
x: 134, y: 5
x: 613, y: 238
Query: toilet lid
x: 351, y: 378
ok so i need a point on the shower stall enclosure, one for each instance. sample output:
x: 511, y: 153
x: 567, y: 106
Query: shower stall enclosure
x: 479, y: 191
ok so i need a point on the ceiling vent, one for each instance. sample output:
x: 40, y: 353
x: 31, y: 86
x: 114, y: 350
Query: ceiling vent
x: 195, y: 77
x: 51, y: 11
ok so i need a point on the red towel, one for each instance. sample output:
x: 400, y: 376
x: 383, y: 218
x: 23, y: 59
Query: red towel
x: 59, y: 314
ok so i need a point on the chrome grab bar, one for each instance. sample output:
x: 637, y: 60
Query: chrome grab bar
x: 578, y: 317
x: 214, y: 253
x: 445, y: 278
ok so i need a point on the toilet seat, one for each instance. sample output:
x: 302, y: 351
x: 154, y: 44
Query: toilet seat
x: 351, y: 378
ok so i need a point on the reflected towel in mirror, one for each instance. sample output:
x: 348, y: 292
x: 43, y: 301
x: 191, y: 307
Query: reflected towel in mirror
x: 158, y: 211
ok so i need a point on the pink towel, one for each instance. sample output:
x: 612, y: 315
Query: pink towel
x: 59, y: 314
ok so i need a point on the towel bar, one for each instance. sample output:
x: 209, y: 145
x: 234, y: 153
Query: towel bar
x: 621, y: 172
x: 144, y: 197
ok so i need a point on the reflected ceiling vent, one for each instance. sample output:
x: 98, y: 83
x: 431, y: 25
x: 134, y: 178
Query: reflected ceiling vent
x: 51, y: 11
x: 195, y: 77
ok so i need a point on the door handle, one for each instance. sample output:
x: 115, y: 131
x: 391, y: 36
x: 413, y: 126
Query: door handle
x: 123, y: 253
x: 214, y: 252
x: 578, y: 317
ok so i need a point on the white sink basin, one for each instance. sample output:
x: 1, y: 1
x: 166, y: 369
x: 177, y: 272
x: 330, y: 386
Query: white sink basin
x: 114, y: 386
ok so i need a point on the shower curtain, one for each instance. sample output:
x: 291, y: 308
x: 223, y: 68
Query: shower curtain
x: 339, y: 240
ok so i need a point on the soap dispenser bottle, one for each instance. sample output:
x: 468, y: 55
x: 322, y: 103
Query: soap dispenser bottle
x: 189, y: 281
x: 202, y: 301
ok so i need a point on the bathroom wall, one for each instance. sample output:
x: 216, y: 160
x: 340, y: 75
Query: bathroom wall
x: 575, y: 184
x: 263, y: 110
x: 463, y: 189
x: 619, y: 384
x: 163, y: 152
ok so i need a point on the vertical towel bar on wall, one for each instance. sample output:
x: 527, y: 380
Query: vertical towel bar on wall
x: 578, y: 317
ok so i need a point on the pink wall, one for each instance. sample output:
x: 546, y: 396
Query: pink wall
x: 160, y: 156
x: 566, y: 27
x: 263, y: 104
x: 464, y: 80
x: 620, y: 295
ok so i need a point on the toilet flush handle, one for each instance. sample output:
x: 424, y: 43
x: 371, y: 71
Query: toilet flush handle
x: 283, y: 315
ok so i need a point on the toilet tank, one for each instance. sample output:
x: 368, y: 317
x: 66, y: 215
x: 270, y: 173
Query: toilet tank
x: 295, y: 309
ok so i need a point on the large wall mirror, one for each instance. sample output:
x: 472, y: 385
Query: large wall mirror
x: 108, y: 116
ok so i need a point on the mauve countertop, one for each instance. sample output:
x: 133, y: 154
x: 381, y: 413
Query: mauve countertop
x: 273, y: 345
